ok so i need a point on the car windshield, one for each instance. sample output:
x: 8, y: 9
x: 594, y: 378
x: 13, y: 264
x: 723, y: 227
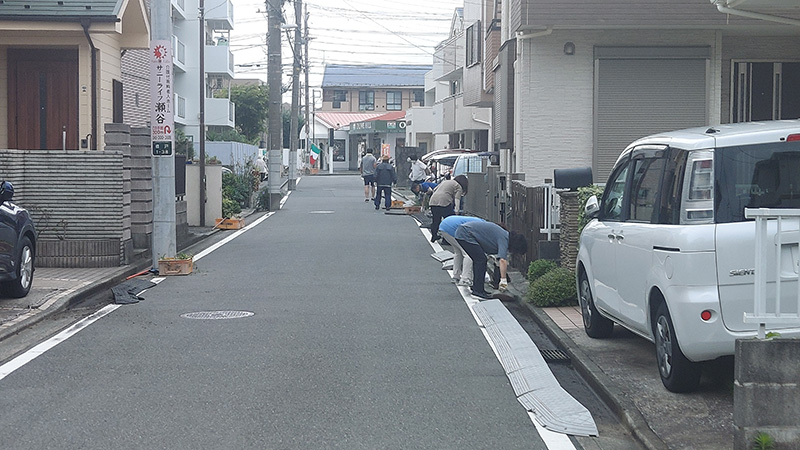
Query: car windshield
x: 755, y: 176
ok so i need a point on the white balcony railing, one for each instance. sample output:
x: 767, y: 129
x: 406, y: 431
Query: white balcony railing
x: 220, y: 112
x: 219, y: 60
x: 783, y: 248
x: 179, y: 6
x: 219, y: 14
x: 179, y: 48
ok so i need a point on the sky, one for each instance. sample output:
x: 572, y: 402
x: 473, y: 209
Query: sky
x: 345, y: 32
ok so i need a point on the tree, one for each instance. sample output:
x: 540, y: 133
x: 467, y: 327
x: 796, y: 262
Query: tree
x: 252, y: 104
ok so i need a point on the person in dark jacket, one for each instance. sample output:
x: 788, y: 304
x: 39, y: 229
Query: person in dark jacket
x: 385, y: 177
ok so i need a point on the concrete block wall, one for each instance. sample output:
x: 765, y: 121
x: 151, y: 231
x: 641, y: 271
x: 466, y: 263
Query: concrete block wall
x: 77, y: 201
x: 569, y: 236
x: 141, y: 188
x: 765, y: 392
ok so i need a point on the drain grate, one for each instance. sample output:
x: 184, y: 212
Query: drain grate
x: 217, y: 315
x: 554, y: 356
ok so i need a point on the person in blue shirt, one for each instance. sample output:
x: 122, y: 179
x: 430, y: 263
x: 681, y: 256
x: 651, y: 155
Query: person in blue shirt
x: 478, y: 239
x: 462, y: 263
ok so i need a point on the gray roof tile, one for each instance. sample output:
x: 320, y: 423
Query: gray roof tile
x: 388, y: 75
x: 59, y: 9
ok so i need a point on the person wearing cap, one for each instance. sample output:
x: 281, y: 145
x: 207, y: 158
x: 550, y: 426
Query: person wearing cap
x: 479, y: 239
x: 385, y: 177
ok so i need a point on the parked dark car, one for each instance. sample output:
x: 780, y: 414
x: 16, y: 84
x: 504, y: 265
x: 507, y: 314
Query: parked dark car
x: 17, y: 245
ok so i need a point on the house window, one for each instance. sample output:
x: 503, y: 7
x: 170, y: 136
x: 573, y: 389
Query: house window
x: 339, y: 97
x: 419, y: 97
x: 116, y: 86
x: 366, y: 100
x: 394, y: 100
x: 473, y: 46
x: 765, y: 91
x: 455, y: 87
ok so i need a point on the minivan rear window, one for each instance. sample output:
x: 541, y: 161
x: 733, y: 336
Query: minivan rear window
x: 755, y: 176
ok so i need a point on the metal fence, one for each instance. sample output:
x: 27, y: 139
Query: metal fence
x: 529, y: 210
x: 783, y: 249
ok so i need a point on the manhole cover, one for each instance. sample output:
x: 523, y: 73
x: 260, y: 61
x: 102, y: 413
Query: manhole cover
x: 217, y: 315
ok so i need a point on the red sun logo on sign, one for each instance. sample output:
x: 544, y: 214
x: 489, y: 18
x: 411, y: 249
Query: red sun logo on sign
x: 160, y: 52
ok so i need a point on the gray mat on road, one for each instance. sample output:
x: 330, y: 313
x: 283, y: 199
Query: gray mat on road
x: 534, y: 384
x: 128, y: 291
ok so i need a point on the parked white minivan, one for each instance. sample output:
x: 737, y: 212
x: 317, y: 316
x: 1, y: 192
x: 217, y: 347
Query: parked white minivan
x: 669, y: 254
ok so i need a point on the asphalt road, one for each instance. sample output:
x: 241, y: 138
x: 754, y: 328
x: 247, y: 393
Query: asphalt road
x: 352, y: 338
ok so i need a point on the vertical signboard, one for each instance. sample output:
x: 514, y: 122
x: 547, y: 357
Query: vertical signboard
x: 162, y: 122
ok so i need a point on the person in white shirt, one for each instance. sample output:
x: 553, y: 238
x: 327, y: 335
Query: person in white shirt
x: 418, y: 172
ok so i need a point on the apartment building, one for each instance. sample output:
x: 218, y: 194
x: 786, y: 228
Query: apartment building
x: 188, y: 85
x: 576, y: 81
x: 457, y: 112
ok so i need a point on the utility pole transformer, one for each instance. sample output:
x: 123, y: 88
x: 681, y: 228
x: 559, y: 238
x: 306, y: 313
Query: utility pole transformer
x: 275, y: 144
x: 162, y: 128
x: 294, y: 128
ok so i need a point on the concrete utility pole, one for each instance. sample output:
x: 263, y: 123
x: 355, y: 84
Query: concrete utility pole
x: 305, y: 69
x: 275, y: 144
x: 162, y: 126
x: 295, y: 118
x: 202, y: 196
x: 294, y: 128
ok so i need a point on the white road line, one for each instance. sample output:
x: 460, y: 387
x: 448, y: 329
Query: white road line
x: 39, y: 349
x: 553, y: 440
x: 236, y: 234
x: 9, y: 367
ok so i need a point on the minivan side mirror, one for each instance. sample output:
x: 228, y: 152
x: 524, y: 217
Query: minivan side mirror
x: 592, y: 207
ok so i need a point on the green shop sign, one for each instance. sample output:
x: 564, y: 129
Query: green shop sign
x: 378, y: 126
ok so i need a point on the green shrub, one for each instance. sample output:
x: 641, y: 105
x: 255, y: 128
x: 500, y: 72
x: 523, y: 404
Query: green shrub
x: 763, y: 441
x: 230, y: 208
x: 554, y: 288
x: 540, y: 267
x: 262, y: 202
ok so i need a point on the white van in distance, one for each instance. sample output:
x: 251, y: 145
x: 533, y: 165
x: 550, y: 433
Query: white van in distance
x: 669, y: 254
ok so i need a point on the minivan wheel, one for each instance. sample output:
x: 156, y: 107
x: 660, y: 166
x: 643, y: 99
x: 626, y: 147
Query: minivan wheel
x: 596, y: 326
x: 677, y: 373
x: 21, y: 285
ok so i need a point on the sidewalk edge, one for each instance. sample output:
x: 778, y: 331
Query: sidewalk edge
x: 70, y: 299
x: 625, y: 410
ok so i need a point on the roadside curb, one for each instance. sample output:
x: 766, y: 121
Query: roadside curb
x: 613, y: 397
x: 70, y: 298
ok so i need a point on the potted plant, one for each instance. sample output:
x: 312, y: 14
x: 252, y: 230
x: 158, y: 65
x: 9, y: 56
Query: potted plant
x: 231, y: 218
x: 180, y: 264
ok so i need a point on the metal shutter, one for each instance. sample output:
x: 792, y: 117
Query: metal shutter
x: 638, y: 97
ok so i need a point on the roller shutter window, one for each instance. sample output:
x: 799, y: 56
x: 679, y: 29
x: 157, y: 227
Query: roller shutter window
x: 636, y: 96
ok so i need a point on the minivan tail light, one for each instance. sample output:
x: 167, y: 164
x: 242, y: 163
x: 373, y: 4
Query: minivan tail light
x: 793, y: 137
